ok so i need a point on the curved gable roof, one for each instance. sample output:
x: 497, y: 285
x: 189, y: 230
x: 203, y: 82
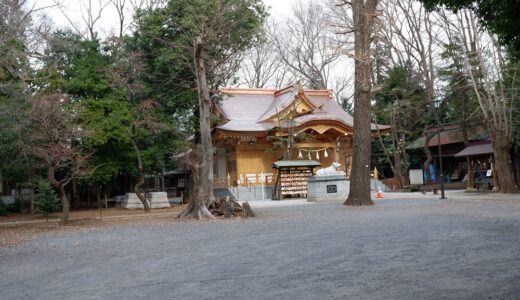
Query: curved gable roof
x: 251, y: 109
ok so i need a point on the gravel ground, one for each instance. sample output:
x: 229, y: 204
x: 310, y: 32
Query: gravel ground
x: 398, y: 249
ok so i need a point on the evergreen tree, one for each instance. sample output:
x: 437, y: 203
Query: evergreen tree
x: 401, y: 103
x: 3, y: 208
x: 15, y: 162
x: 104, y: 80
x: 462, y: 107
x: 46, y: 200
x: 190, y: 48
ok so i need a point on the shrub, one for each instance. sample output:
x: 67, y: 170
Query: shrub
x: 3, y: 208
x: 46, y: 200
x: 16, y: 207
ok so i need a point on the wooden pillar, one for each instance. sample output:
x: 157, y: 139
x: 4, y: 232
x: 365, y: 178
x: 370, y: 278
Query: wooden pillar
x: 436, y: 170
x: 469, y: 175
x: 336, y: 151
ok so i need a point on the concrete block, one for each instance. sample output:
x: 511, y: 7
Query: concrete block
x: 317, y: 188
x: 159, y: 200
x: 156, y: 200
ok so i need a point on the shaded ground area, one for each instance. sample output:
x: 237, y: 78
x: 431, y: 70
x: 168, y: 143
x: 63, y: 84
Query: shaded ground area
x: 83, y: 214
x: 398, y: 249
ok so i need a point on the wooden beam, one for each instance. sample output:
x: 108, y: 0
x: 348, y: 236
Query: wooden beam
x: 315, y: 145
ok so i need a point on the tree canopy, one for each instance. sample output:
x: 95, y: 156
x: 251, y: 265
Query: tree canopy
x: 501, y: 17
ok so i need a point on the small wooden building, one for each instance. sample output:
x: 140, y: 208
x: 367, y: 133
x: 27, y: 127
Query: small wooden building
x: 459, y: 150
x: 257, y: 127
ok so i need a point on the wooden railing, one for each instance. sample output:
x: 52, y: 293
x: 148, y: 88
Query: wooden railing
x: 246, y: 179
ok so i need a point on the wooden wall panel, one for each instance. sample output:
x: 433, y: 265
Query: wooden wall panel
x: 255, y: 162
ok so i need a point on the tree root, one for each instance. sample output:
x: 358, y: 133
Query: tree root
x: 248, y: 212
x: 231, y: 208
x: 358, y: 201
x: 221, y: 207
x: 197, y: 211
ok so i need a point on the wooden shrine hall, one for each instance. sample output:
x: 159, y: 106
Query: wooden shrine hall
x: 257, y: 127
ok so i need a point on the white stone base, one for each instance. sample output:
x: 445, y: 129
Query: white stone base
x: 156, y: 200
x: 159, y: 200
x: 317, y: 188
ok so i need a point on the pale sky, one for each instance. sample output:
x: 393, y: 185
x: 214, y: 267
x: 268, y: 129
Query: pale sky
x: 108, y: 23
x: 280, y: 7
x: 109, y: 20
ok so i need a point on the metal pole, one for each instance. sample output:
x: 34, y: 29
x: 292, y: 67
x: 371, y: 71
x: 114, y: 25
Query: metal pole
x: 440, y: 154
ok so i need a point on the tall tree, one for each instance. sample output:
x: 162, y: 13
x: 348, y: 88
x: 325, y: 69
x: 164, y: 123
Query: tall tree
x: 401, y: 102
x: 305, y: 44
x: 167, y: 72
x: 149, y: 129
x: 215, y: 34
x: 364, y: 13
x: 487, y: 76
x: 461, y: 103
x: 16, y: 165
x: 104, y: 80
x: 262, y: 67
x: 56, y: 141
x: 411, y: 32
x: 499, y: 16
x: 90, y: 15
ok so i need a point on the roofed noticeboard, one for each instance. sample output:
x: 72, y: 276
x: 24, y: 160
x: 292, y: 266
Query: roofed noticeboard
x: 295, y: 164
x: 292, y: 177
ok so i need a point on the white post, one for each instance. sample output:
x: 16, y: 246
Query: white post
x: 262, y: 179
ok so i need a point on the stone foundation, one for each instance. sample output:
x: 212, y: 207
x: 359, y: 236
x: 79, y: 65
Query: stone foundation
x: 332, y: 188
x: 156, y: 200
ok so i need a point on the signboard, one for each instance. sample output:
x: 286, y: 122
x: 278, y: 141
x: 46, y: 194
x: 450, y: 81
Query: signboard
x: 332, y: 189
x: 416, y: 177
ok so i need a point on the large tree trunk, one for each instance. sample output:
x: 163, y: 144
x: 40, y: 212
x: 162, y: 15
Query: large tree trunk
x: 501, y: 148
x: 203, y: 172
x: 196, y: 208
x: 363, y: 12
x: 140, y: 174
x: 51, y: 176
x: 65, y: 204
x: 206, y: 176
x: 75, y: 192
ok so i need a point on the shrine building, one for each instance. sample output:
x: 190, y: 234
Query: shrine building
x: 257, y: 127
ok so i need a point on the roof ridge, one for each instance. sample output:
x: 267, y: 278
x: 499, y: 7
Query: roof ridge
x: 273, y: 91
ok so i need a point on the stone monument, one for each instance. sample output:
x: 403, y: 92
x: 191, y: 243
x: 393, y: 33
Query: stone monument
x: 156, y: 200
x: 328, y: 185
